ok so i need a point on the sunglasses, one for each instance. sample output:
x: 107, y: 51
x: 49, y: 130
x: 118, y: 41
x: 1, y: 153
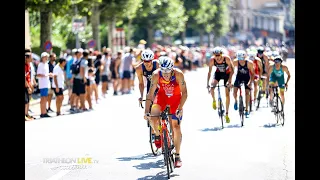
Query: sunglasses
x: 217, y: 55
x: 146, y: 61
x: 165, y: 70
x: 277, y: 61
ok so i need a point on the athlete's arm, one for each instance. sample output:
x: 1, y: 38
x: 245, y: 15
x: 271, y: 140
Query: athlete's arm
x: 269, y: 73
x: 230, y: 64
x: 286, y: 69
x: 153, y: 87
x: 183, y: 88
x: 210, y: 69
x: 140, y: 78
x: 266, y: 61
x: 157, y: 64
x: 251, y: 73
x: 235, y: 65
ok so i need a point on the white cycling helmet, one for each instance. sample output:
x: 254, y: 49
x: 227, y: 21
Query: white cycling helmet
x: 166, y: 63
x: 275, y: 53
x: 147, y: 55
x: 241, y: 54
x: 269, y: 53
x: 217, y: 50
x: 251, y: 55
x: 278, y: 59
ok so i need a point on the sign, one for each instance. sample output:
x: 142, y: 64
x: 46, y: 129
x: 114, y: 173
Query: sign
x: 48, y: 45
x: 92, y: 43
x: 78, y: 24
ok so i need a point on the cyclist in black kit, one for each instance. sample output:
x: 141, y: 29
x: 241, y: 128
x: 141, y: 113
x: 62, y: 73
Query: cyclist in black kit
x: 146, y: 69
x: 244, y: 73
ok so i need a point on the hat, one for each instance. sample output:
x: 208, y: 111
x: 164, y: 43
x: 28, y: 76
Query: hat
x: 80, y: 50
x: 74, y: 51
x: 44, y: 54
x: 142, y: 41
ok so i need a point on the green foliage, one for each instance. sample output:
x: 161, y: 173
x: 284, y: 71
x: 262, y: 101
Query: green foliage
x: 166, y: 15
x: 221, y: 18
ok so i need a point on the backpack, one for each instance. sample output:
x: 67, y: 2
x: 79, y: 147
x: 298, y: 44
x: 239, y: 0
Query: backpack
x: 75, y: 68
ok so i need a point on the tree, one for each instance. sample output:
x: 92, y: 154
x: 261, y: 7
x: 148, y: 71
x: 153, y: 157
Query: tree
x: 168, y: 16
x: 221, y: 19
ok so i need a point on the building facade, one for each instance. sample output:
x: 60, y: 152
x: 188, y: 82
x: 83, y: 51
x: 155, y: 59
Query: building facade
x: 264, y: 19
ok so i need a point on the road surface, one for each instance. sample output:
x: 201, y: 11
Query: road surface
x: 115, y: 137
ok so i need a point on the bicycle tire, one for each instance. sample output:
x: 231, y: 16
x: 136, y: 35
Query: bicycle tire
x: 241, y: 110
x: 221, y: 112
x: 154, y: 149
x: 166, y: 152
x: 280, y: 112
x: 258, y: 99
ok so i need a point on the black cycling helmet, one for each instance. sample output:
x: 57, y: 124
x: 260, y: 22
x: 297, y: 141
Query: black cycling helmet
x: 260, y: 50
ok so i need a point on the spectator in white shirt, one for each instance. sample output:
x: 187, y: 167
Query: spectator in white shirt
x: 58, y: 83
x: 44, y: 83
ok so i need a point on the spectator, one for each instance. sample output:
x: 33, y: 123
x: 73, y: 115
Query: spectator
x: 86, y: 74
x: 52, y: 63
x: 27, y: 86
x: 126, y: 65
x: 115, y: 75
x: 58, y: 83
x: 106, y: 60
x: 70, y: 61
x: 44, y: 83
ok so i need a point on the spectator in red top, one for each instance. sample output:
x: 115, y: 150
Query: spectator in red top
x: 27, y: 86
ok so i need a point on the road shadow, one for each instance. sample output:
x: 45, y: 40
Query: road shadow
x: 269, y: 125
x: 149, y: 165
x: 234, y: 126
x: 37, y: 116
x: 159, y: 176
x: 211, y: 129
x: 138, y: 157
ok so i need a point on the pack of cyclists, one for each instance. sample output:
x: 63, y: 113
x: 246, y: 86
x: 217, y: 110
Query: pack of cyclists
x: 166, y: 84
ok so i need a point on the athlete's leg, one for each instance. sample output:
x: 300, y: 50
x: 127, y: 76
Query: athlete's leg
x: 235, y: 93
x: 177, y: 135
x: 154, y: 121
x: 264, y: 83
x: 215, y: 81
x: 256, y: 87
x: 281, y: 85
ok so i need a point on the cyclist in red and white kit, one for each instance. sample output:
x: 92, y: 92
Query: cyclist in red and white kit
x: 257, y: 66
x: 173, y: 92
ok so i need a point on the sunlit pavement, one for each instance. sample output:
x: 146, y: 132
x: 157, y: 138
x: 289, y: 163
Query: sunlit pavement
x: 115, y: 137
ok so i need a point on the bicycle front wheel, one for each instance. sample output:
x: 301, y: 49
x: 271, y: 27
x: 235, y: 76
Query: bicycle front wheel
x: 221, y: 112
x: 241, y: 110
x: 166, y: 152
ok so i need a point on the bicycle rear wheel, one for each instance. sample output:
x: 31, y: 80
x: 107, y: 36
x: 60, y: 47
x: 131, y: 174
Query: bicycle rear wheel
x: 221, y: 112
x: 241, y: 110
x: 154, y: 149
x: 280, y: 112
x: 258, y: 99
x: 166, y: 152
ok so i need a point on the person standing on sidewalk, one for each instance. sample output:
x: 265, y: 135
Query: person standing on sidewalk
x: 44, y: 83
x: 58, y: 83
x: 27, y: 86
x: 52, y: 63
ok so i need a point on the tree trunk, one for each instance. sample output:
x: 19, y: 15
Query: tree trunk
x: 129, y: 32
x: 209, y: 39
x: 45, y: 27
x: 111, y: 35
x: 201, y: 37
x: 183, y: 34
x: 150, y: 35
x: 95, y: 24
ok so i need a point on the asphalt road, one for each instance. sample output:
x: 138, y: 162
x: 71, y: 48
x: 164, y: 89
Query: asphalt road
x: 115, y: 137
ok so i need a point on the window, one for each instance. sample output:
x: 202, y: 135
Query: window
x: 275, y: 25
x: 256, y: 22
x: 249, y: 28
